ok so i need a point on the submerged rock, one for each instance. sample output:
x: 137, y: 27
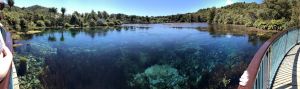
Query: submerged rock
x: 159, y: 77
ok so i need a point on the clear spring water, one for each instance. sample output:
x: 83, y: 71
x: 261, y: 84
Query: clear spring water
x: 194, y: 55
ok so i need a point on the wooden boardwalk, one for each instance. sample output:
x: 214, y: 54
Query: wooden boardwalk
x: 288, y: 75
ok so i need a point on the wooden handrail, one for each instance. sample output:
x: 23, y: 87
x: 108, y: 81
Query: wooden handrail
x: 254, y: 65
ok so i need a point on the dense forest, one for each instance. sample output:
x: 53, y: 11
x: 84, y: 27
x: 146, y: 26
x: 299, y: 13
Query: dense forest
x: 270, y: 15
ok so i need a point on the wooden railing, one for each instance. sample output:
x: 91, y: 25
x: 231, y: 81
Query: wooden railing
x: 264, y: 65
x: 6, y: 82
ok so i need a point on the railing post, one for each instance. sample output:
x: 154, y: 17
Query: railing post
x: 269, y: 65
x: 286, y: 40
x: 297, y: 36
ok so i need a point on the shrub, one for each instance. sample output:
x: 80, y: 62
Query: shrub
x: 85, y: 24
x: 23, y: 23
x: 92, y: 23
x: 67, y: 25
x: 117, y: 22
x: 48, y: 23
x: 101, y: 22
x: 17, y: 27
x: 249, y: 24
x: 110, y: 23
x: 31, y: 25
x: 40, y: 23
x: 277, y: 24
x: 22, y: 66
x: 260, y: 24
x: 228, y: 19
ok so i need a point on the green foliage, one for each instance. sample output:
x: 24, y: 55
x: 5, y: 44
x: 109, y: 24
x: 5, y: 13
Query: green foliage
x: 102, y: 22
x: 53, y: 10
x: 48, y: 23
x: 23, y: 24
x: 75, y: 20
x: 29, y: 69
x: 277, y: 9
x: 92, y: 23
x: 67, y: 25
x: 159, y: 77
x: 22, y: 66
x: 271, y: 15
x: 211, y: 15
x: 63, y: 10
x: 249, y: 14
x: 271, y: 24
x: 31, y: 25
x: 110, y: 23
x: 40, y: 23
x: 11, y: 3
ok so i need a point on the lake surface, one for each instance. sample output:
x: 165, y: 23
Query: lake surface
x: 137, y: 56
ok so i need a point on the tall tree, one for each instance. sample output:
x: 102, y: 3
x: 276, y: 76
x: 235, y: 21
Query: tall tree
x: 53, y: 11
x: 211, y: 15
x: 105, y: 15
x: 100, y: 15
x: 11, y: 3
x: 63, y: 11
x: 93, y: 15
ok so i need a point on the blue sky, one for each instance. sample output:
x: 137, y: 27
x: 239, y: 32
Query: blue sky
x: 131, y: 7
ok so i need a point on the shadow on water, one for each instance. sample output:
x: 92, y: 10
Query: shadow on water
x: 131, y: 57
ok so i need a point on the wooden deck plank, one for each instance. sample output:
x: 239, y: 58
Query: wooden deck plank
x: 288, y: 76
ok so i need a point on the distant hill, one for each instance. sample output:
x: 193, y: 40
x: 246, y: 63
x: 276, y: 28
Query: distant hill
x: 37, y: 8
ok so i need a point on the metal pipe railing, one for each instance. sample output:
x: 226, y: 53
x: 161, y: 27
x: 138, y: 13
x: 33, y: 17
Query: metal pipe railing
x: 264, y: 65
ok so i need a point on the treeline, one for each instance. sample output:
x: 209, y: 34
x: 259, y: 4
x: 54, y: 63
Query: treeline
x: 22, y: 19
x: 270, y: 15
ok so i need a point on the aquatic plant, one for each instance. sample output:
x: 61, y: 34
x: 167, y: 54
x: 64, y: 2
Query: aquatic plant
x: 22, y: 66
x: 31, y: 69
x: 159, y: 77
x: 193, y: 63
x: 225, y: 81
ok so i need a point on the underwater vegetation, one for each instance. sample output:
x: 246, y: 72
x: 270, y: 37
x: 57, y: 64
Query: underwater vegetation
x: 154, y: 56
x: 29, y: 70
x: 159, y: 77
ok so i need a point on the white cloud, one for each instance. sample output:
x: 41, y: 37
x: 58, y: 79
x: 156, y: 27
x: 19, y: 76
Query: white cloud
x: 229, y: 2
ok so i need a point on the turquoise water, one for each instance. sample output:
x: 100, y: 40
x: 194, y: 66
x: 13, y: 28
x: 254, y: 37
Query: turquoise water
x: 154, y: 56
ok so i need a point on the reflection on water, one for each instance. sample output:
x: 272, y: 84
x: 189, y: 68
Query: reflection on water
x: 187, y: 56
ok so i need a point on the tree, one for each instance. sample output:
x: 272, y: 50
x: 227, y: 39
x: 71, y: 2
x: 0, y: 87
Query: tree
x: 53, y: 12
x: 92, y: 23
x: 99, y: 15
x: 211, y: 15
x: 147, y: 19
x: 74, y: 20
x: 63, y: 10
x: 23, y: 23
x: 11, y: 3
x: 278, y: 8
x: 105, y: 15
x: 93, y: 15
x: 295, y: 17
